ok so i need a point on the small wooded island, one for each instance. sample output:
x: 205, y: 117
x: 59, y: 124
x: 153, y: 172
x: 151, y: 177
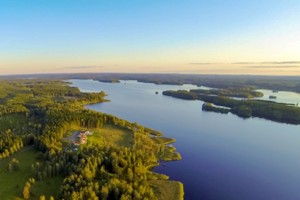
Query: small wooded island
x: 39, y: 161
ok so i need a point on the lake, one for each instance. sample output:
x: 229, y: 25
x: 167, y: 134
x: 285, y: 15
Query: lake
x: 281, y: 96
x: 224, y: 156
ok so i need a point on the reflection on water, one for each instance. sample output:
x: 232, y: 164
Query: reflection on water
x: 281, y: 96
x: 224, y: 157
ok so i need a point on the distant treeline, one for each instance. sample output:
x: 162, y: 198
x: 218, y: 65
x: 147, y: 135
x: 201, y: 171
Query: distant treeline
x: 287, y: 83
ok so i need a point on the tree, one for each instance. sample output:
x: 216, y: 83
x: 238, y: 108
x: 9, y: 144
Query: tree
x: 15, y: 164
x: 26, y: 190
x: 104, y: 192
x: 9, y: 167
x: 42, y: 197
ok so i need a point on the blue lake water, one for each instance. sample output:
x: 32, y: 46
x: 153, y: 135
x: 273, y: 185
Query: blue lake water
x: 224, y: 157
x: 281, y: 96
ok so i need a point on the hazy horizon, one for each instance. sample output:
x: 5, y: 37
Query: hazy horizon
x: 190, y: 37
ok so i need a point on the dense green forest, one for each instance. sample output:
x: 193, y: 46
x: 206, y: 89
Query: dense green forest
x: 245, y: 108
x: 210, y: 107
x: 230, y: 92
x: 38, y: 160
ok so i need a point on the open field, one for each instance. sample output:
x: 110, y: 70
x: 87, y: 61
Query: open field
x: 114, y: 136
x: 15, y: 122
x: 168, y: 190
x: 12, y: 183
x: 48, y: 187
x: 107, y: 135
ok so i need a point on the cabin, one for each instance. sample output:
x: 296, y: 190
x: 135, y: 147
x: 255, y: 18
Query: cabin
x: 82, y: 137
x: 83, y: 140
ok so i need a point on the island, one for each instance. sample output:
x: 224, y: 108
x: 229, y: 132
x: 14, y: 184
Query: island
x: 210, y: 107
x: 51, y: 147
x: 243, y: 107
x: 230, y: 92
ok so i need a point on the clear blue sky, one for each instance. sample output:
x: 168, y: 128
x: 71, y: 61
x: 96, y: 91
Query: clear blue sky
x: 147, y: 36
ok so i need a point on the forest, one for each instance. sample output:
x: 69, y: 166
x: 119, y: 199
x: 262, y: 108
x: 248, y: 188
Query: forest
x: 244, y: 107
x: 230, y: 92
x: 37, y: 161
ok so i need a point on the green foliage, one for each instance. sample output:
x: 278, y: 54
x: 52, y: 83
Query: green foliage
x: 18, y: 124
x: 9, y: 143
x: 210, y: 107
x: 26, y: 190
x: 13, y: 165
x: 168, y: 189
x: 231, y: 92
x: 115, y: 164
x: 121, y: 172
x: 42, y: 197
x: 248, y: 108
x: 12, y: 183
x: 242, y: 111
x: 182, y: 94
x: 111, y: 135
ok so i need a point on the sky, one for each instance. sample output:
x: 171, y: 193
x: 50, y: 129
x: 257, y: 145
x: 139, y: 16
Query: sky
x: 150, y: 36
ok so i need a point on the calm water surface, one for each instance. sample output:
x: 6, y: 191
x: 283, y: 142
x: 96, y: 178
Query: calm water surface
x: 281, y: 96
x: 224, y: 157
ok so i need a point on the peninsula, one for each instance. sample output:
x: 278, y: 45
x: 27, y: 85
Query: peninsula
x: 115, y: 161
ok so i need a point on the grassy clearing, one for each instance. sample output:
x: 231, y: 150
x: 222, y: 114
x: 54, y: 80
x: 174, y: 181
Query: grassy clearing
x: 107, y: 135
x: 48, y: 187
x: 15, y: 122
x: 12, y: 182
x: 168, y: 190
x: 113, y: 136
